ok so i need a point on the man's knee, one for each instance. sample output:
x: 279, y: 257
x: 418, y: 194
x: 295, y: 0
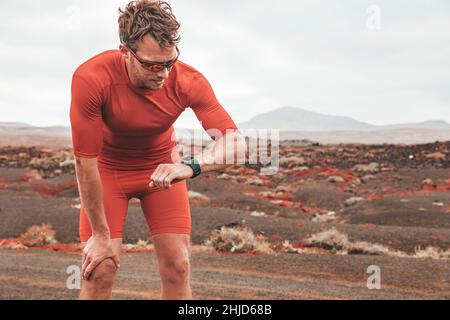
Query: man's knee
x: 104, y: 273
x: 175, y: 270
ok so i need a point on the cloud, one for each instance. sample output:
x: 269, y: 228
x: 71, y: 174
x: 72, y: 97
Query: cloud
x: 258, y: 55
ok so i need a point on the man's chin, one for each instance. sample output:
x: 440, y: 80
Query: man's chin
x: 153, y: 86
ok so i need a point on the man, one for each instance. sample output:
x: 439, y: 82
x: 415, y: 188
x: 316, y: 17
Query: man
x: 124, y: 103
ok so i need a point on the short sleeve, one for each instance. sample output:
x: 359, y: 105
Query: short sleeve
x: 207, y: 108
x: 86, y: 118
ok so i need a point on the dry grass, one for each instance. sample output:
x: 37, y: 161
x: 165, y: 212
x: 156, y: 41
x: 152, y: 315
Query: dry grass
x: 237, y: 239
x: 331, y: 239
x: 140, y: 245
x: 431, y: 252
x: 291, y: 162
x: 38, y: 235
x: 338, y: 243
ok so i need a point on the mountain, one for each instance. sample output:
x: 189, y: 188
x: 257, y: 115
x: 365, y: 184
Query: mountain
x: 13, y: 125
x: 293, y: 123
x: 22, y: 134
x: 298, y: 119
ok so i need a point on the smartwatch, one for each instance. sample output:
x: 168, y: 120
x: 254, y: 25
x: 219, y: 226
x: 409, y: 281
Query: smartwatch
x: 194, y: 164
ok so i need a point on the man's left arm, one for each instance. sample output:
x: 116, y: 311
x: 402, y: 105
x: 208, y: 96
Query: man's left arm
x: 229, y: 145
x: 228, y: 150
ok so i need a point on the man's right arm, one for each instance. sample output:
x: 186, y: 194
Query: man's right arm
x: 91, y: 194
x: 87, y: 137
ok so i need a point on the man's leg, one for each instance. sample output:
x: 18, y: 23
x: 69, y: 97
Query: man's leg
x: 115, y: 201
x: 99, y: 286
x: 173, y: 252
x: 169, y: 219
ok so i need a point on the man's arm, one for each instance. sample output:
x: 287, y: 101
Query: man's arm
x: 229, y: 149
x: 86, y: 121
x: 98, y: 247
x: 91, y: 194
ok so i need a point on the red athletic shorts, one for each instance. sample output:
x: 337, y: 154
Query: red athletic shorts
x: 166, y: 210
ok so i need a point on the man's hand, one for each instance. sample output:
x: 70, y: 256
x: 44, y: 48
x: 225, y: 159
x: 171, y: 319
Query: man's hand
x: 97, y: 249
x: 166, y: 173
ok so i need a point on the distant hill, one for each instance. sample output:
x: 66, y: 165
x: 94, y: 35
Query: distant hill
x: 298, y: 119
x: 22, y: 134
x: 293, y: 123
x: 13, y: 124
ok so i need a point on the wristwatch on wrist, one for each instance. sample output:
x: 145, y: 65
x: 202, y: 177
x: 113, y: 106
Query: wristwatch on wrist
x: 194, y: 164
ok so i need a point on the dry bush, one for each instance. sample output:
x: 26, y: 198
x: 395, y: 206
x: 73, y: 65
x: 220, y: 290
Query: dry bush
x: 237, y: 239
x: 141, y: 244
x: 431, y: 252
x: 38, y: 235
x: 291, y: 162
x: 339, y: 243
x: 323, y: 218
x: 330, y: 240
x: 362, y: 247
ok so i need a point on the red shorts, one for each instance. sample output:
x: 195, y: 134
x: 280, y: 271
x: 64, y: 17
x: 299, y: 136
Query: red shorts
x: 166, y: 210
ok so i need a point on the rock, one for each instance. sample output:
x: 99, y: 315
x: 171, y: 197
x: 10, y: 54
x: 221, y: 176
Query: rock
x: 23, y: 155
x: 234, y: 170
x: 32, y: 175
x: 194, y: 194
x: 197, y: 199
x: 327, y: 217
x: 367, y: 178
x: 336, y: 179
x: 302, y: 168
x: 67, y: 163
x: 427, y: 181
x: 255, y: 182
x: 290, y: 162
x: 225, y: 176
x: 372, y: 167
x: 436, y: 156
x: 257, y: 213
x: 267, y: 194
x: 353, y: 200
x: 438, y: 203
x: 284, y: 188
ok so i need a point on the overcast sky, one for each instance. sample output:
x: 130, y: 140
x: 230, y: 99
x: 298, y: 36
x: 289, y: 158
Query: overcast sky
x: 380, y: 62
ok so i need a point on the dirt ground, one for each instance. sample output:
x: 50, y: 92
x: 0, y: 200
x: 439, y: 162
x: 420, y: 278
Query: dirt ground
x: 42, y: 274
x: 393, y: 196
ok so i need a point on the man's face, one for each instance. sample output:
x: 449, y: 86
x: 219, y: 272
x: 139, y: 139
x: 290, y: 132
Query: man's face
x: 148, y: 50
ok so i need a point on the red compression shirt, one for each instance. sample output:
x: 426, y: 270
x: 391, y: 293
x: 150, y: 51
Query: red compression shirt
x: 130, y: 128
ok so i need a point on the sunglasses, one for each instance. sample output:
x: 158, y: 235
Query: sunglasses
x: 155, y: 66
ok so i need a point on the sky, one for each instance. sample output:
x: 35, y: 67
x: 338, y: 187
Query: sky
x: 380, y: 62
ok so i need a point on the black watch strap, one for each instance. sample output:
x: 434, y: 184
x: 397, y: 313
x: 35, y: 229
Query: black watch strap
x: 194, y: 164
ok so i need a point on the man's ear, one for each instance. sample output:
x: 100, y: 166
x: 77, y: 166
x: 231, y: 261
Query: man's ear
x: 123, y: 51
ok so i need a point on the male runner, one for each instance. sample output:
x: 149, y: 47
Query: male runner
x: 124, y: 103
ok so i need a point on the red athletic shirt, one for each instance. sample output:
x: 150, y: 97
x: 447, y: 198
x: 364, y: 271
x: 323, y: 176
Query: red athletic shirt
x: 130, y: 128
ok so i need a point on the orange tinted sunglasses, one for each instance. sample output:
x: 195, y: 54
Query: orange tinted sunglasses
x: 155, y: 66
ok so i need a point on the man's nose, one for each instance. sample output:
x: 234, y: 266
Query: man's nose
x: 163, y: 74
